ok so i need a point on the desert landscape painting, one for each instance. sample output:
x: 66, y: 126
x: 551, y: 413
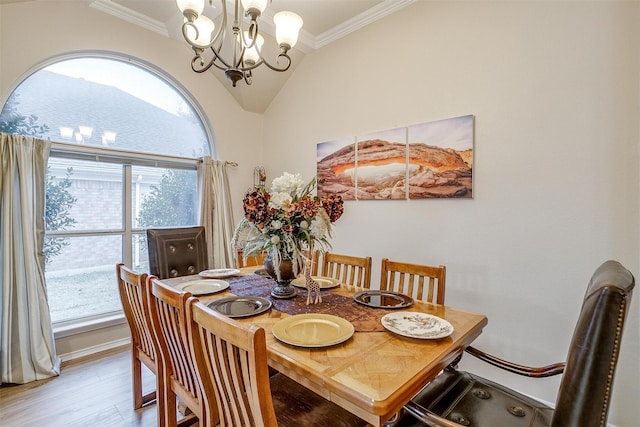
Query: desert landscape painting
x: 423, y: 161
x: 440, y: 161
x: 382, y: 165
x: 336, y: 164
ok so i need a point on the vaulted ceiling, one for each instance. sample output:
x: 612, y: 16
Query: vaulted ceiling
x: 325, y: 21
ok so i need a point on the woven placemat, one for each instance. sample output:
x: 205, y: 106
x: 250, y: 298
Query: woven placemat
x: 363, y: 318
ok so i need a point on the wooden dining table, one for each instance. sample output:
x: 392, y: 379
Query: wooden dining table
x: 375, y: 372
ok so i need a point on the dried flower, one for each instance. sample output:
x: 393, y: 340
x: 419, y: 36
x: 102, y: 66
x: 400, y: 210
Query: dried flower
x: 289, y: 221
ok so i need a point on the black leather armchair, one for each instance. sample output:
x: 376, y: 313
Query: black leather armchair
x: 460, y: 398
x: 175, y: 252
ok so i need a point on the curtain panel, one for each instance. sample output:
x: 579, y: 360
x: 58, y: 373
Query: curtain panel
x: 216, y: 213
x: 27, y: 347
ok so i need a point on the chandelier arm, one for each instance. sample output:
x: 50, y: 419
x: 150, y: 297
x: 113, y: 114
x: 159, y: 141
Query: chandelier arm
x: 185, y: 26
x: 201, y: 68
x: 275, y: 68
x: 252, y: 32
x: 222, y: 30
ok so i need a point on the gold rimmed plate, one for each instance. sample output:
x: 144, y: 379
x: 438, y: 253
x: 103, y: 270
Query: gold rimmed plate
x: 325, y: 282
x: 313, y: 330
x: 417, y: 325
x: 203, y: 287
x: 383, y: 299
x: 240, y: 306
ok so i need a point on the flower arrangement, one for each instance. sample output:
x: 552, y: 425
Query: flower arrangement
x: 288, y: 222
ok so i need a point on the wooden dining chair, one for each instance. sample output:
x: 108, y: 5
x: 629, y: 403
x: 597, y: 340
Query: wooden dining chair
x: 175, y: 252
x: 350, y: 270
x: 249, y: 261
x: 231, y: 361
x: 167, y: 308
x: 131, y: 287
x: 422, y: 282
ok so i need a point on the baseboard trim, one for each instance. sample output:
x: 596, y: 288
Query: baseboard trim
x: 94, y: 349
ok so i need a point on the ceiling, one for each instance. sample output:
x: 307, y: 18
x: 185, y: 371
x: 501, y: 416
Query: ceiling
x: 325, y: 21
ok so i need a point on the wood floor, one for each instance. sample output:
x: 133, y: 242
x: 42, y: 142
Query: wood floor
x: 90, y: 392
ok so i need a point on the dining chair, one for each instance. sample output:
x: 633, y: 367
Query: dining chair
x: 250, y: 261
x: 422, y: 282
x: 350, y: 270
x: 231, y: 361
x: 175, y: 252
x: 131, y: 287
x: 167, y: 308
x: 461, y: 398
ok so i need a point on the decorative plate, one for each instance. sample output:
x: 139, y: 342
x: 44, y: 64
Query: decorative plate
x: 313, y: 330
x: 240, y: 306
x: 383, y: 299
x: 417, y: 325
x: 203, y: 287
x: 219, y: 273
x: 325, y: 282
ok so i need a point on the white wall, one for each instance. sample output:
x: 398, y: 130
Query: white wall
x: 32, y: 32
x: 554, y: 89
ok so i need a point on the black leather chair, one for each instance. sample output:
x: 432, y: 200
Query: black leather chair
x: 175, y: 252
x: 460, y: 398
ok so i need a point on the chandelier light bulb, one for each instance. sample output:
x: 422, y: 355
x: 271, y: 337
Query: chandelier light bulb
x: 252, y: 55
x: 193, y: 6
x: 250, y: 5
x: 288, y: 25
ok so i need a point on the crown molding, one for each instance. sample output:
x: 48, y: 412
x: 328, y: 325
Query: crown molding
x: 129, y: 15
x: 307, y: 43
x: 367, y: 17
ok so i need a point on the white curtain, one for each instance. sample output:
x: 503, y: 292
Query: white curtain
x: 27, y: 349
x: 216, y: 213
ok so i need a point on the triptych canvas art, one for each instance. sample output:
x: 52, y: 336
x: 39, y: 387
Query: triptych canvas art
x: 423, y: 161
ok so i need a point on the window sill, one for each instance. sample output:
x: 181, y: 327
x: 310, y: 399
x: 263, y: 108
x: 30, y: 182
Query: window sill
x: 74, y: 327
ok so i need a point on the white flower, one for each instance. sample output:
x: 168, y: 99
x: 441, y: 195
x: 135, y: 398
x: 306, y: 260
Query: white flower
x: 320, y: 225
x: 279, y: 200
x: 275, y: 239
x: 304, y: 224
x: 287, y: 183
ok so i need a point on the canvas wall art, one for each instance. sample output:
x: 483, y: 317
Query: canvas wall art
x: 440, y: 160
x: 381, y: 167
x: 423, y: 161
x: 336, y: 168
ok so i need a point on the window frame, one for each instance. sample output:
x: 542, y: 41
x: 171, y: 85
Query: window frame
x: 127, y: 159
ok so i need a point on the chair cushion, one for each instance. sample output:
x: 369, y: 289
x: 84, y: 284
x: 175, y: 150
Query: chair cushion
x: 475, y: 401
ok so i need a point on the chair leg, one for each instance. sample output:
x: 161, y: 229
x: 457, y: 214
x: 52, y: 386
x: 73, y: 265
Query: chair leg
x: 171, y: 408
x: 136, y: 380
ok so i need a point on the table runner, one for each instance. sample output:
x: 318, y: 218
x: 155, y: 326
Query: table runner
x: 363, y: 318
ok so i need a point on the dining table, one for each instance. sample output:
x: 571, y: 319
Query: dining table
x: 373, y: 372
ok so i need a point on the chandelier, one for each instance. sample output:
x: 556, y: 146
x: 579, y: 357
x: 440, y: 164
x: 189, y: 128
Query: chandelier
x: 246, y: 52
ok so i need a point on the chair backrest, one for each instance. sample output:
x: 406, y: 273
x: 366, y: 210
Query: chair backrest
x: 350, y: 270
x: 250, y: 261
x: 414, y: 280
x: 133, y: 295
x: 585, y: 390
x: 176, y: 252
x: 167, y: 308
x: 231, y: 360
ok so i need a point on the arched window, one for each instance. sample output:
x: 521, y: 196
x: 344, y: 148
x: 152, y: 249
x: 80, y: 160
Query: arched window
x: 126, y: 139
